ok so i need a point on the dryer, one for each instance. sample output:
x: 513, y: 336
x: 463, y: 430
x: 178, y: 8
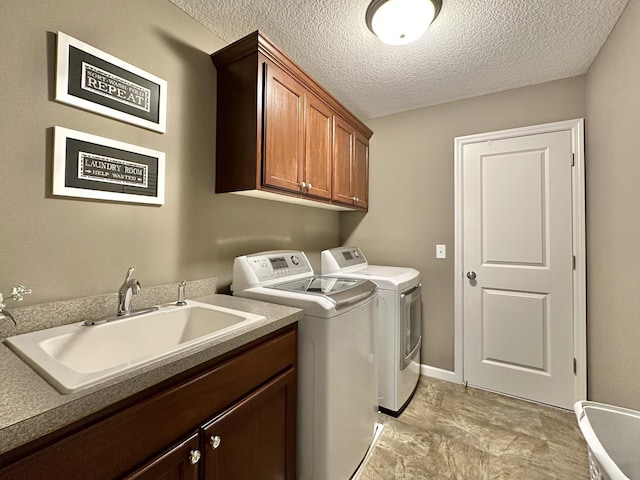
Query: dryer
x: 337, y: 383
x: 398, y: 335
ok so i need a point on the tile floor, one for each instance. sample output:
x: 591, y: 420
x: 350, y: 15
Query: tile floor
x: 448, y: 432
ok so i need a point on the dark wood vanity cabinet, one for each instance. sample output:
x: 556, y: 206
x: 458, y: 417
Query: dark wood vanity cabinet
x: 246, y: 442
x: 178, y: 463
x: 276, y: 127
x: 234, y: 418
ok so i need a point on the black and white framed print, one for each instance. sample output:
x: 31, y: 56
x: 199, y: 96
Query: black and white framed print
x: 91, y: 79
x: 88, y: 166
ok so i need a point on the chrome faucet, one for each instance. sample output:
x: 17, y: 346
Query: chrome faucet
x: 17, y: 293
x: 127, y: 290
x: 6, y: 313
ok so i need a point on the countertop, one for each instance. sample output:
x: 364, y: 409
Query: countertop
x: 30, y: 407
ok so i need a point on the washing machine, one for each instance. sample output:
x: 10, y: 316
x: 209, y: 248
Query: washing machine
x: 337, y: 382
x: 398, y: 326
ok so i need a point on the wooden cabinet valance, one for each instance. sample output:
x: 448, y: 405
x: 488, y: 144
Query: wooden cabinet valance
x: 281, y: 136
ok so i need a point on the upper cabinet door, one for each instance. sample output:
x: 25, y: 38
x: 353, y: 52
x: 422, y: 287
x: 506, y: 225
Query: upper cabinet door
x: 343, y: 140
x: 361, y: 171
x: 283, y: 120
x: 317, y: 147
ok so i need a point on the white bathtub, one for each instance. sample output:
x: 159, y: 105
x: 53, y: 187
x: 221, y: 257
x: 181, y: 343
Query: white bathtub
x: 613, y: 436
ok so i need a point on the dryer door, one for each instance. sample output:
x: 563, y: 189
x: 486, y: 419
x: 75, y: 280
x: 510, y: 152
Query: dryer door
x: 410, y: 324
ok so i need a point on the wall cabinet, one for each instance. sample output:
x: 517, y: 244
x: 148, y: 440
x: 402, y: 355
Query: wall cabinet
x: 317, y: 152
x: 297, y: 137
x: 350, y: 166
x: 234, y: 419
x: 276, y: 131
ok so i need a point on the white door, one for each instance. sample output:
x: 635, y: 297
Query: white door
x: 518, y: 266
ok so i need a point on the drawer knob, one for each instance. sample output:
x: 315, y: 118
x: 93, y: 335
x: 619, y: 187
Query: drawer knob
x: 215, y: 441
x: 194, y: 456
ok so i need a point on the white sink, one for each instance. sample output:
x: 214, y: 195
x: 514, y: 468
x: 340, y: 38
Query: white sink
x: 73, y: 357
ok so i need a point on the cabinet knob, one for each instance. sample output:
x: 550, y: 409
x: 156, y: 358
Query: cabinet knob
x: 303, y: 185
x: 308, y: 186
x: 215, y: 441
x: 194, y: 456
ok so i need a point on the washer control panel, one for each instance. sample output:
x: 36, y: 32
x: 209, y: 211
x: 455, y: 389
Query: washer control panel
x: 268, y: 266
x: 343, y: 257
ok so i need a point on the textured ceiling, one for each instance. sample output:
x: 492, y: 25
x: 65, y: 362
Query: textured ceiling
x: 474, y: 47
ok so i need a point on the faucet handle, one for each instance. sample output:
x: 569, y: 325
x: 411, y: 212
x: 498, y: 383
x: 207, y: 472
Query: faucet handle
x: 129, y: 273
x: 18, y: 293
x: 181, y: 289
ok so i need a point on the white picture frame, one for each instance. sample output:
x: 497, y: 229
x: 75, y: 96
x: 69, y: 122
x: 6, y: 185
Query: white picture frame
x: 93, y: 167
x: 93, y: 80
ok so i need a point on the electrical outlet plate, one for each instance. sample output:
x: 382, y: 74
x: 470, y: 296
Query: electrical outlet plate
x: 441, y: 251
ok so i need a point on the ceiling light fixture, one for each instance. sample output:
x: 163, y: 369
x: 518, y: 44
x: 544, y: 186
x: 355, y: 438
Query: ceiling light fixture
x: 398, y: 22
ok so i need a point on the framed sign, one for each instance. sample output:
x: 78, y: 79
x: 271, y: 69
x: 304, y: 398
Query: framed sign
x: 88, y: 166
x: 91, y: 79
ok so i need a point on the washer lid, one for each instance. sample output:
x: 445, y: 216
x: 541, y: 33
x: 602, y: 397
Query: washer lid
x: 387, y: 278
x: 350, y: 262
x: 341, y: 291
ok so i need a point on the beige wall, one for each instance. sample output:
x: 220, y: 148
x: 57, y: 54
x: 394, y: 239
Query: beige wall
x: 613, y: 215
x: 411, y: 189
x: 70, y: 248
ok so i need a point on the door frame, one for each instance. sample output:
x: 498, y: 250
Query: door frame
x: 576, y: 127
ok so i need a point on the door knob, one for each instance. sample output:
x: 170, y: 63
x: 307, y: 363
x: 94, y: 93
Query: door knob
x: 471, y: 275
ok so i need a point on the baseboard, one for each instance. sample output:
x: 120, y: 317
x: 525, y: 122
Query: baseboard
x: 439, y: 373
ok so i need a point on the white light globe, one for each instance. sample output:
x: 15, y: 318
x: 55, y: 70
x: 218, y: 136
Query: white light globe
x: 398, y: 22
